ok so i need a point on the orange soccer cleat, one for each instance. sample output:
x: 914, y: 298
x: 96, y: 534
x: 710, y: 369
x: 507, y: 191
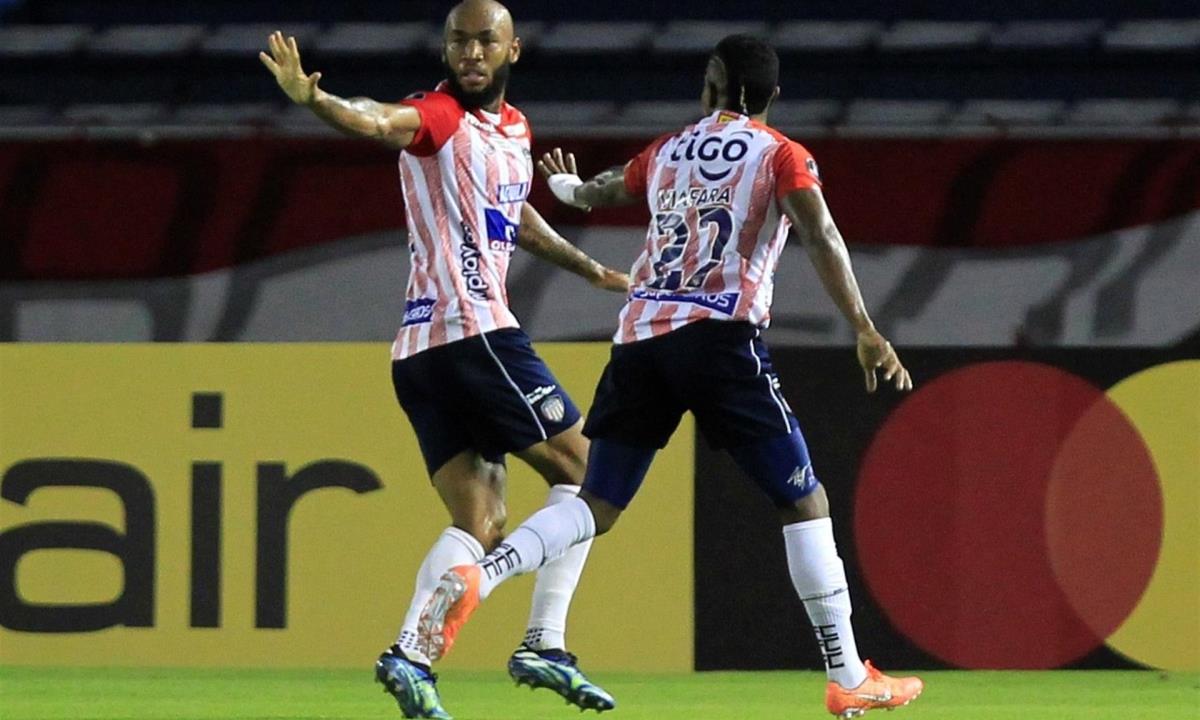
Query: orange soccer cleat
x: 452, y: 602
x: 877, y: 691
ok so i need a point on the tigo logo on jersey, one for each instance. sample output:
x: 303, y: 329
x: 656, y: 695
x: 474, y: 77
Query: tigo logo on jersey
x: 716, y: 153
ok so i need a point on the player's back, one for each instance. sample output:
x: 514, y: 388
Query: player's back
x: 716, y: 232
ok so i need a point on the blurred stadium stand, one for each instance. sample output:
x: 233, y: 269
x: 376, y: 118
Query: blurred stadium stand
x: 1016, y: 66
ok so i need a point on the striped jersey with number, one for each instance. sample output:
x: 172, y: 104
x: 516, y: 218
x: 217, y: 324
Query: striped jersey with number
x: 716, y: 230
x: 465, y: 177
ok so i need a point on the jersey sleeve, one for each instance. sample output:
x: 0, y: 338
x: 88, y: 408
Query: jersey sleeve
x: 795, y: 169
x: 440, y: 116
x: 637, y: 170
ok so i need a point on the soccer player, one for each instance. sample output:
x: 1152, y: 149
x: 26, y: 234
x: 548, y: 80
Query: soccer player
x: 463, y: 370
x: 724, y: 195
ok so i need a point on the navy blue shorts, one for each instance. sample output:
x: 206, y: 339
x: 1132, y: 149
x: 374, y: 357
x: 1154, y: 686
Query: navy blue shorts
x: 719, y: 370
x: 490, y: 393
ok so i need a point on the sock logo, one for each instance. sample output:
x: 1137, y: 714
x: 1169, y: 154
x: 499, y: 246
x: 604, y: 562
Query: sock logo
x: 501, y: 560
x: 831, y: 645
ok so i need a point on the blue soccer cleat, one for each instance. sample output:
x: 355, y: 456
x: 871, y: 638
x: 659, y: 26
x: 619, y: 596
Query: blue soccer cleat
x: 557, y: 670
x: 413, y: 686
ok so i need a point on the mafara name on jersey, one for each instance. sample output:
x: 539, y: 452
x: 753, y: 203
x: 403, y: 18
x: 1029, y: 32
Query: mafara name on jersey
x: 694, y: 197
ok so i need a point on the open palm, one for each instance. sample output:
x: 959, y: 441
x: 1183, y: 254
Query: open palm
x: 284, y: 64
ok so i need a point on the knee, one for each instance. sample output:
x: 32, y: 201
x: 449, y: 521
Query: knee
x: 485, y: 524
x: 486, y: 532
x: 812, y: 506
x: 604, y: 513
x: 568, y: 467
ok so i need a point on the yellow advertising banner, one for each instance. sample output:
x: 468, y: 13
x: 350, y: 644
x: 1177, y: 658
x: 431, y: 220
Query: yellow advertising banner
x: 267, y: 505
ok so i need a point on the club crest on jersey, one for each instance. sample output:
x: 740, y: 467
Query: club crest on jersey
x: 812, y: 167
x: 716, y: 154
x: 694, y: 197
x: 472, y: 269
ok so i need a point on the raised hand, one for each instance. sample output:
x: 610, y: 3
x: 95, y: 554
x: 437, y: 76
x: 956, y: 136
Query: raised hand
x: 284, y: 64
x: 876, y: 353
x: 555, y: 163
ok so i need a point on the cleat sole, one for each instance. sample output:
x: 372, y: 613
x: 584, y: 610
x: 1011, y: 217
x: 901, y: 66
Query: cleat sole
x: 432, y: 624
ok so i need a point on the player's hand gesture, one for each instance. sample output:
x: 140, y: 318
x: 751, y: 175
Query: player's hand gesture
x: 556, y: 163
x: 284, y: 64
x: 562, y: 177
x: 876, y: 353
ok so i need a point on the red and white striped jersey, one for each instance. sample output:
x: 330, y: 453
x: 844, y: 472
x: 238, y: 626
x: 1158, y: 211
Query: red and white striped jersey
x: 465, y: 177
x: 716, y: 230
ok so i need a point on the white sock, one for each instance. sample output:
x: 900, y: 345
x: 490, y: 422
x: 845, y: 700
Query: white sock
x: 555, y: 587
x: 545, y: 536
x: 820, y: 580
x: 453, y: 547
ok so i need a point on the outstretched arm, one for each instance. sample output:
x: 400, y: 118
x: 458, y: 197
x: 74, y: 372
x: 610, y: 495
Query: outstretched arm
x: 605, y: 190
x: 813, y: 224
x: 536, y: 236
x: 394, y: 125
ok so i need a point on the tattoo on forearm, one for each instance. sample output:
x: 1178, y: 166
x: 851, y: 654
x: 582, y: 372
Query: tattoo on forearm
x: 359, y: 116
x: 554, y: 248
x: 607, y: 188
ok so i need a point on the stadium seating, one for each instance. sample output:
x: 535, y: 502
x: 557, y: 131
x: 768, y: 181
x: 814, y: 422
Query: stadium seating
x: 849, y: 63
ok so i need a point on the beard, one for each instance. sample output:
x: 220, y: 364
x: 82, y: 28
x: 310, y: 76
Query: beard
x: 475, y: 99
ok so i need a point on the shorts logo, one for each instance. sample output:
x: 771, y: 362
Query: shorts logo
x: 553, y: 408
x: 539, y: 393
x: 802, y: 477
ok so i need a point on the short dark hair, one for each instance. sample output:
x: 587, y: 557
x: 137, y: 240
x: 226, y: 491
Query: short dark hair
x: 751, y: 72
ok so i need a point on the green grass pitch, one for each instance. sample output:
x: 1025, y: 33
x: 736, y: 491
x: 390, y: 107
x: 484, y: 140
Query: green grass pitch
x: 82, y: 693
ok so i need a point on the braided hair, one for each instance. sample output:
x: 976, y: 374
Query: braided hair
x: 751, y: 72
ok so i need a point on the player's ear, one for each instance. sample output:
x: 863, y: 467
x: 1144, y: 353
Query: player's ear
x: 514, y: 50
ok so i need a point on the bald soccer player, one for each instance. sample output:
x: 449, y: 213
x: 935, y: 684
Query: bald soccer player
x: 463, y: 370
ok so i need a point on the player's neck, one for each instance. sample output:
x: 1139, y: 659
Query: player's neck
x: 494, y: 106
x: 760, y: 118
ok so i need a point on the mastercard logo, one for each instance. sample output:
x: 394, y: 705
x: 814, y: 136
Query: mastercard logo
x: 1014, y: 515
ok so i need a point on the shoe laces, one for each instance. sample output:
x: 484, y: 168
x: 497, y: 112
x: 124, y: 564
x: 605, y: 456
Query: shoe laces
x: 559, y: 656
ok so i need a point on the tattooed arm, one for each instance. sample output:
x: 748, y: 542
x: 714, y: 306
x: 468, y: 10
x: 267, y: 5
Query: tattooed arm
x: 536, y: 236
x: 605, y: 190
x: 394, y: 125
